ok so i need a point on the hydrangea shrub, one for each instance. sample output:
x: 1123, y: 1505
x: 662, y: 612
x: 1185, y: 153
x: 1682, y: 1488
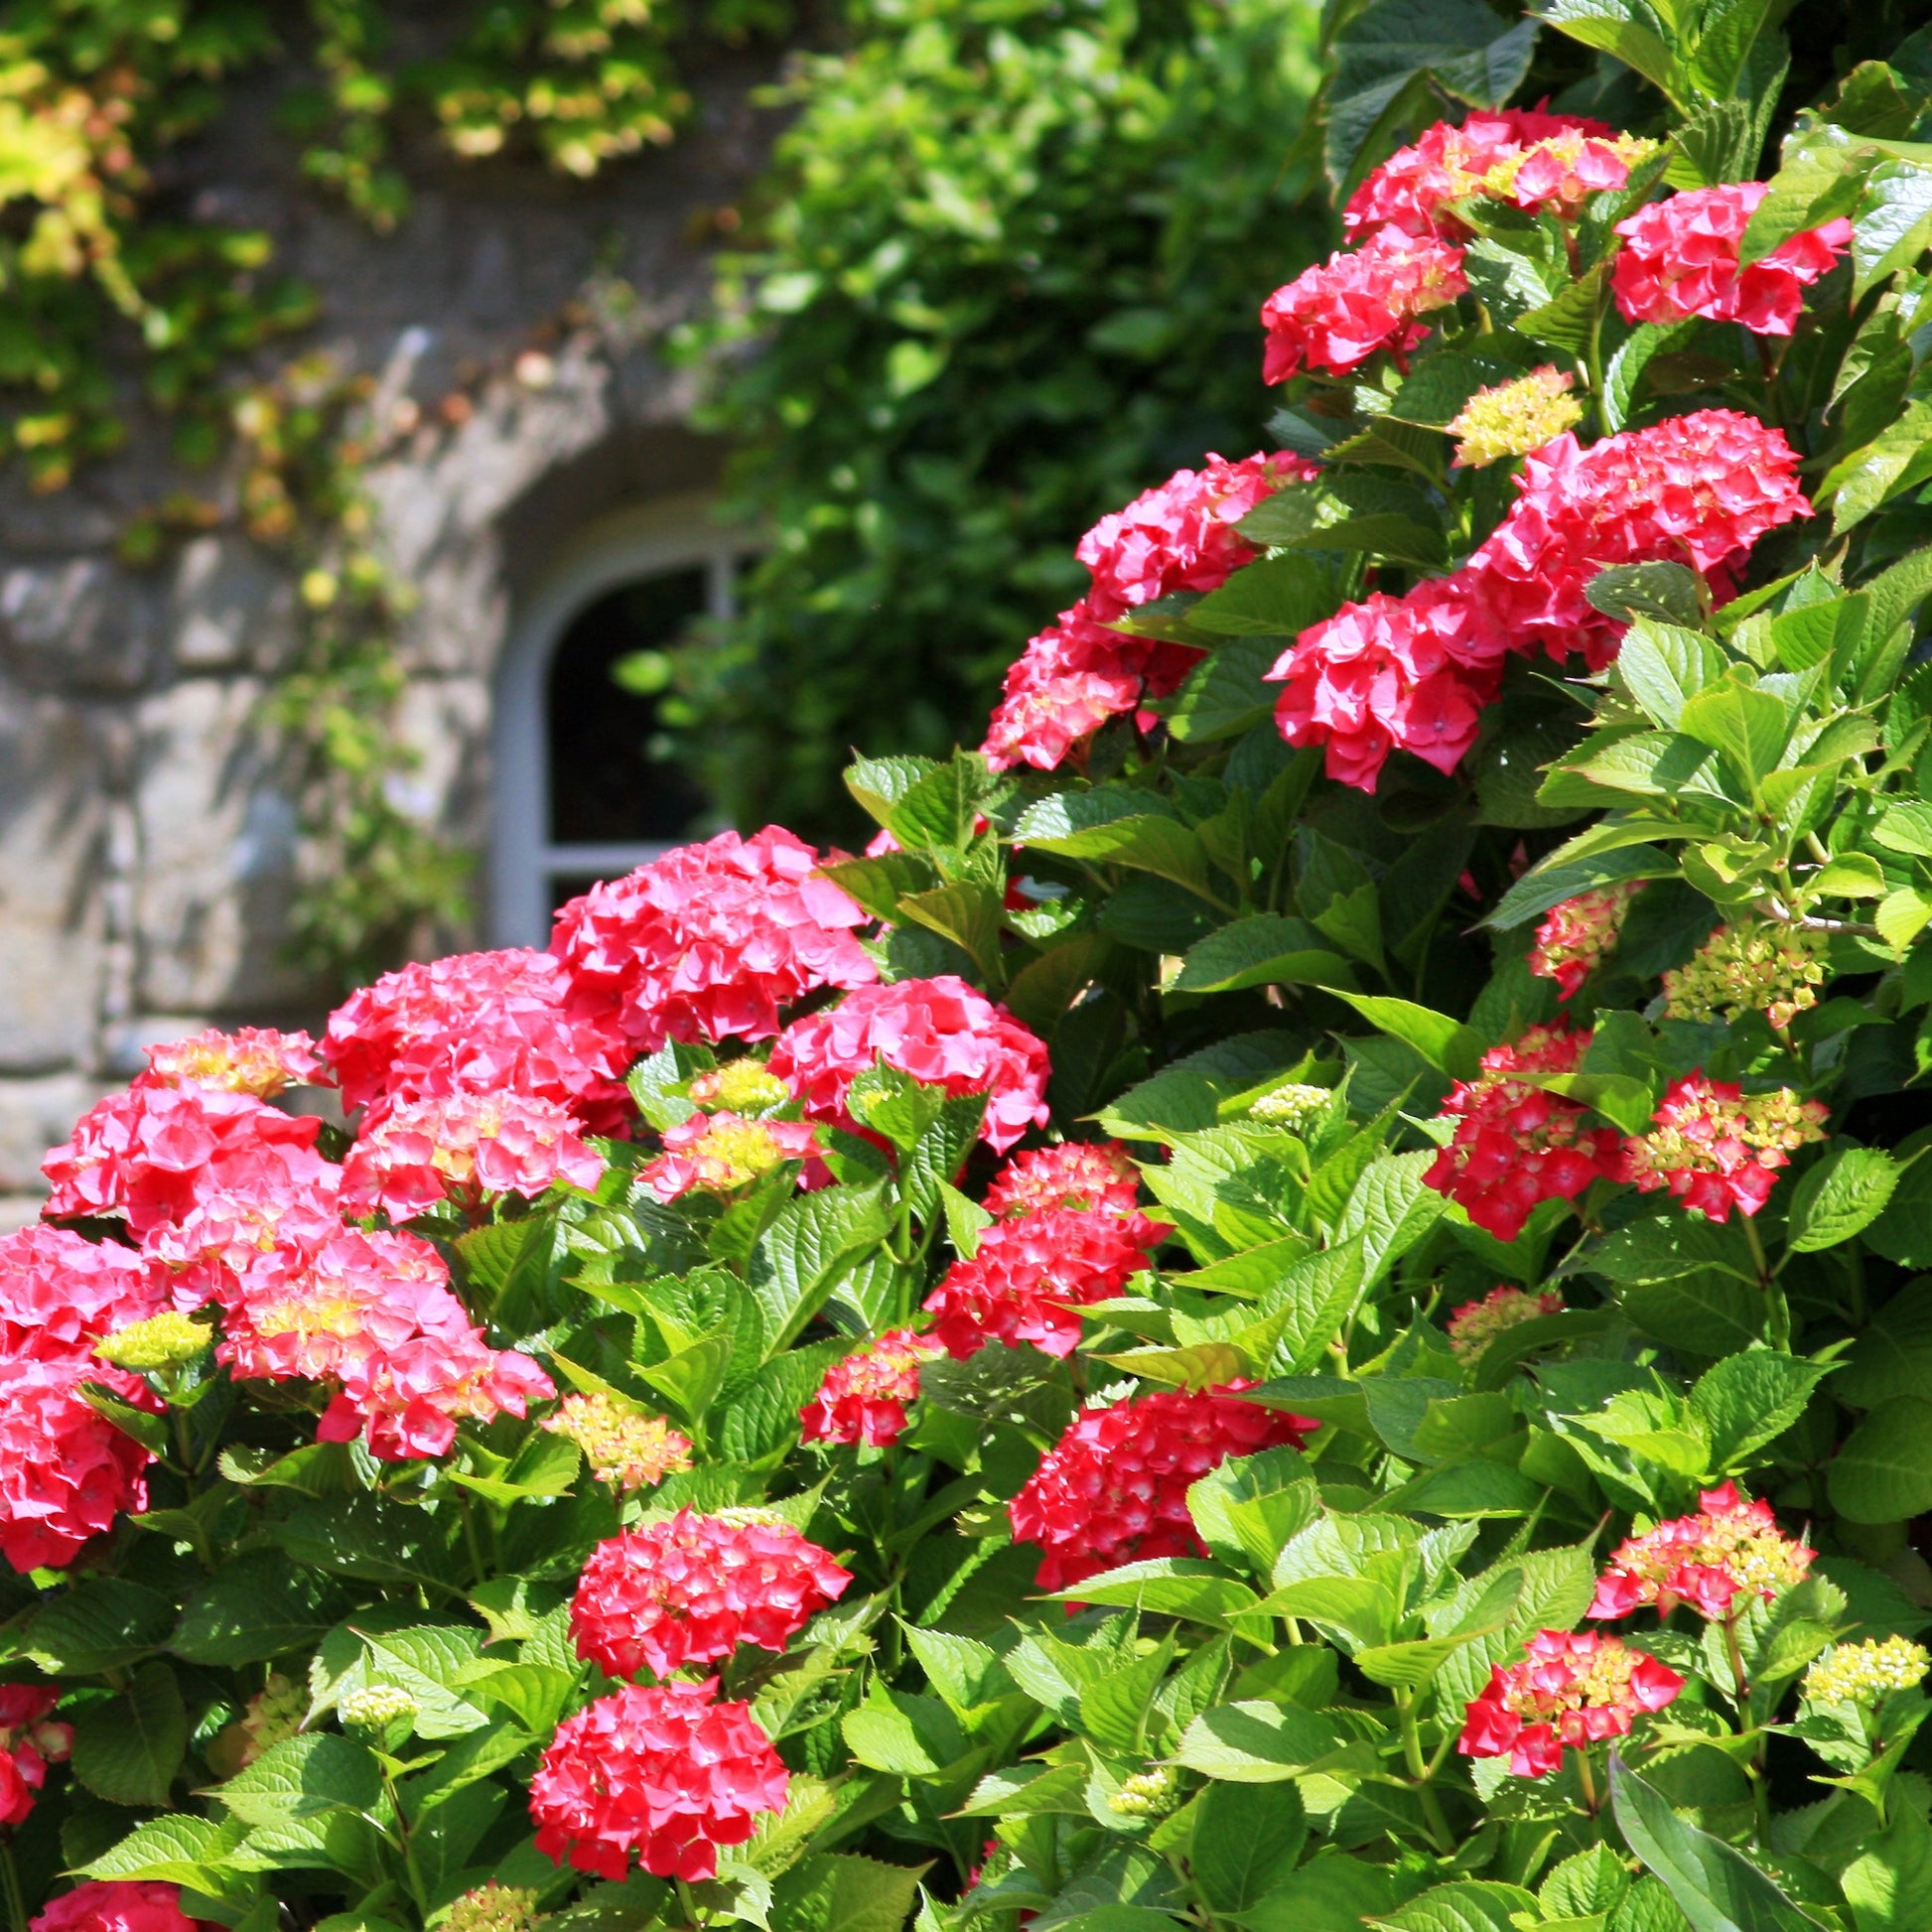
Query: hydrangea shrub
x: 1303, y: 1300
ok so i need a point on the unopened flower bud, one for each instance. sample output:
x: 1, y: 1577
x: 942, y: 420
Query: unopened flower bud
x: 1863, y: 1673
x: 165, y: 1340
x: 375, y: 1707
x: 623, y: 1445
x: 1515, y: 418
x: 493, y: 1908
x: 1294, y: 1104
x: 274, y: 1715
x: 1145, y: 1794
x: 1752, y: 966
x: 1475, y: 1325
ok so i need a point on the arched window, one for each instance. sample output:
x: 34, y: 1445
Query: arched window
x: 583, y: 791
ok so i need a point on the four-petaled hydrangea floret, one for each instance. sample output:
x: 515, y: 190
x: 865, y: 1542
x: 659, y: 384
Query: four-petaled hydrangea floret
x: 863, y: 1396
x: 1294, y: 1104
x: 720, y: 1152
x: 1753, y: 966
x: 1717, y: 1148
x: 1514, y: 418
x: 1731, y: 1548
x: 1475, y: 1325
x: 741, y: 1086
x: 165, y: 1340
x: 1097, y: 1175
x: 625, y: 1446
x: 1152, y: 1793
x: 1868, y: 1672
x: 273, y: 1715
x: 375, y: 1707
x: 1576, y: 935
x: 1334, y: 315
x: 253, y: 1060
x: 493, y: 1908
x: 1573, y: 1690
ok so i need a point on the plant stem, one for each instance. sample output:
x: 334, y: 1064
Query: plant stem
x: 10, y: 1878
x: 1736, y: 1657
x: 1420, y: 1773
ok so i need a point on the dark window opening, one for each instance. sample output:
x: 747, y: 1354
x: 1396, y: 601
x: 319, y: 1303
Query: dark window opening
x: 609, y: 781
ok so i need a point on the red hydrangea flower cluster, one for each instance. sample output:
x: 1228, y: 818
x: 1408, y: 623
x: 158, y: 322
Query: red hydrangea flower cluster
x: 1515, y: 1144
x: 1475, y: 1325
x: 1098, y: 1174
x: 1680, y: 259
x: 690, y: 1589
x: 722, y: 1152
x: 1574, y: 937
x: 863, y: 1396
x: 252, y: 1059
x: 1031, y: 1275
x: 463, y: 1147
x: 710, y: 941
x: 153, y: 1152
x: 118, y: 1906
x: 1114, y: 1488
x: 1413, y: 672
x: 663, y: 1772
x: 477, y: 1023
x: 1336, y: 315
x: 31, y: 1740
x: 1731, y: 1548
x: 1537, y: 161
x: 66, y: 1472
x: 938, y: 1030
x: 1717, y: 1148
x: 1077, y: 674
x: 1572, y: 1690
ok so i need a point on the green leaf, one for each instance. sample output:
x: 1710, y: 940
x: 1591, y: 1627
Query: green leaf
x: 1353, y: 509
x: 1894, y: 224
x: 101, y: 1623
x: 1664, y: 666
x: 940, y: 808
x: 1559, y: 877
x: 836, y: 1891
x: 1119, y: 825
x: 1247, y: 1837
x: 1265, y: 950
x: 1185, y: 1097
x: 1882, y: 1473
x: 1889, y: 1884
x: 305, y: 1777
x: 1446, y: 1044
x: 129, y: 1748
x: 1464, y: 1905
x: 1841, y: 1197
x: 1668, y: 593
x: 255, y: 1608
x: 177, y: 1849
x: 1904, y: 1232
x: 1821, y: 176
x: 1714, y: 1886
x: 1751, y: 727
x: 1568, y: 320
x: 1747, y: 1399
x: 799, y: 1258
x: 1275, y: 597
x: 967, y: 914
x: 1168, y: 1585
x: 1625, y: 29
x: 1265, y: 1743
x: 878, y: 785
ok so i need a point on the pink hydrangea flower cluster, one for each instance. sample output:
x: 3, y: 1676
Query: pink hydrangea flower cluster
x: 477, y: 1022
x: 1516, y: 1144
x: 65, y: 1473
x: 864, y: 1395
x: 1717, y: 1148
x: 665, y: 1772
x: 939, y: 1030
x: 1077, y: 674
x: 1731, y: 1547
x: 1098, y: 1174
x: 1475, y: 1325
x: 1680, y: 259
x: 1576, y: 935
x: 30, y: 1738
x: 1414, y: 672
x: 464, y: 1147
x: 1114, y: 1488
x: 689, y: 1589
x: 710, y: 942
x: 1031, y: 1275
x: 1335, y: 316
x: 119, y: 1905
x: 722, y: 1152
x: 252, y: 1059
x: 1574, y: 1688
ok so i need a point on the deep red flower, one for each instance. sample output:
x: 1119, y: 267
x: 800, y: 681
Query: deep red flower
x: 663, y: 1772
x: 1336, y: 315
x: 690, y: 1589
x: 864, y: 1395
x: 1075, y: 1174
x: 118, y: 1906
x: 30, y: 1738
x: 1717, y: 1148
x: 1576, y: 935
x: 1114, y: 1489
x: 1731, y: 1547
x: 1029, y: 1276
x: 1572, y: 1690
x: 1680, y: 259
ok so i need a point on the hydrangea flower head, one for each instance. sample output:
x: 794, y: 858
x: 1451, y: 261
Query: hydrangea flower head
x: 1680, y: 259
x: 465, y: 1147
x: 30, y: 1738
x: 1114, y: 1488
x: 1572, y: 1690
x: 406, y: 1402
x: 273, y: 1715
x: 663, y: 1773
x: 741, y: 1086
x: 1335, y: 316
x: 1031, y: 1275
x: 864, y: 1395
x: 165, y: 1340
x: 489, y: 1023
x: 1514, y: 418
x: 253, y: 1060
x: 1294, y: 1104
x: 939, y: 1030
x: 710, y: 941
x: 493, y: 1908
x: 65, y: 1473
x: 117, y: 1905
x: 1717, y: 1148
x: 623, y: 1445
x: 1731, y: 1548
x: 720, y: 1152
x: 1574, y: 937
x: 1751, y: 966
x: 690, y: 1589
x: 1515, y: 1144
x: 1077, y: 1173
x: 59, y: 1293
x: 1475, y: 1325
x: 1868, y: 1672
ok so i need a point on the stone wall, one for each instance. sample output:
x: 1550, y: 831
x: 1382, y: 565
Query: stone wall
x: 145, y: 851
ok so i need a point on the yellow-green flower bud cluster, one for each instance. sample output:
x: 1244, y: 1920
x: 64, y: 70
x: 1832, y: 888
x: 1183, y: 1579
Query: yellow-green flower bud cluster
x: 1152, y: 1793
x: 493, y: 1908
x: 1293, y: 1104
x: 1515, y: 418
x: 1755, y: 966
x: 372, y: 1706
x: 739, y: 1087
x: 1863, y: 1673
x: 166, y: 1340
x: 625, y: 1446
x: 274, y: 1715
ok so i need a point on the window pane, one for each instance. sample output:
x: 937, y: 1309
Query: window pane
x: 605, y: 784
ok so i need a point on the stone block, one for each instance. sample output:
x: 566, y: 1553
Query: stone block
x: 82, y: 625
x: 35, y: 1115
x: 230, y: 607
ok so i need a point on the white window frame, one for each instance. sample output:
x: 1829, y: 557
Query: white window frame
x: 649, y: 539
